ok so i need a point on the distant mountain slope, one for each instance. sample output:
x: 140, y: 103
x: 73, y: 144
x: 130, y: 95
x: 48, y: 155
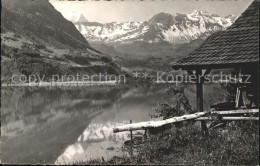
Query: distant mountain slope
x: 172, y: 28
x: 40, y: 20
x: 37, y: 39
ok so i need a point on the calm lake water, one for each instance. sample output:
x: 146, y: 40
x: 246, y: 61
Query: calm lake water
x: 74, y: 124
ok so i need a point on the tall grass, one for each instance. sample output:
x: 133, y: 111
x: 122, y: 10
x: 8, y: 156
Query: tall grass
x: 236, y: 143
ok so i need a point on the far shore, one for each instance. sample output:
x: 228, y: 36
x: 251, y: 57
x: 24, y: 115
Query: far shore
x: 78, y: 83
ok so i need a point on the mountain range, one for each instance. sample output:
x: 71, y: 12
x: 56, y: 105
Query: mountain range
x: 152, y: 44
x: 163, y: 27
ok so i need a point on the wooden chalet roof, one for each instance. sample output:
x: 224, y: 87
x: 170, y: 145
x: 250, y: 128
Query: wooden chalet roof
x: 238, y: 45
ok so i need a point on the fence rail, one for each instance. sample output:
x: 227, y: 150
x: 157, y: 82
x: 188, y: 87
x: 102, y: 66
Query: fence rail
x: 197, y: 117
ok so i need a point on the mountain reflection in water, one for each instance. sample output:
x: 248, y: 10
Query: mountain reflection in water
x: 96, y: 142
x: 70, y: 124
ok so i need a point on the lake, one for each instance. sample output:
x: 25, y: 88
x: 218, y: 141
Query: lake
x: 65, y: 125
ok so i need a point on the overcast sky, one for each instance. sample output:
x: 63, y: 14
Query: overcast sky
x: 135, y: 10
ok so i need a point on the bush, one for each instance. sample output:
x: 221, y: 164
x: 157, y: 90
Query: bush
x: 176, y: 104
x: 78, y: 59
x: 35, y: 66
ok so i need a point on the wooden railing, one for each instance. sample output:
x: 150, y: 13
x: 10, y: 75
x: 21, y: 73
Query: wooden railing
x: 197, y: 117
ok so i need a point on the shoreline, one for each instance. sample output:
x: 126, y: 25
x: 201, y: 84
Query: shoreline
x: 43, y: 84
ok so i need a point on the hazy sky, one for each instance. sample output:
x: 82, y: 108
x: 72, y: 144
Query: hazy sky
x: 135, y: 10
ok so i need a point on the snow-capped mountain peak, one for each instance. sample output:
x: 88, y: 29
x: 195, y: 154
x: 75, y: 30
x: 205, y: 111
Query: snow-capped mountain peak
x: 74, y: 16
x: 173, y: 28
x: 198, y: 13
x: 82, y: 19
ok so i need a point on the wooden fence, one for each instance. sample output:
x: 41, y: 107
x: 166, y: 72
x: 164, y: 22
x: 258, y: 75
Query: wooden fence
x: 199, y: 116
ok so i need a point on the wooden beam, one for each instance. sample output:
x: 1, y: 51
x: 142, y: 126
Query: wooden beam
x: 227, y: 118
x: 154, y: 124
x: 246, y: 111
x: 197, y: 117
x: 199, y: 95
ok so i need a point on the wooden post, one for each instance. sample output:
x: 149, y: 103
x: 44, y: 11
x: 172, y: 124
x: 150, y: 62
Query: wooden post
x: 199, y: 95
x: 145, y: 134
x: 131, y: 133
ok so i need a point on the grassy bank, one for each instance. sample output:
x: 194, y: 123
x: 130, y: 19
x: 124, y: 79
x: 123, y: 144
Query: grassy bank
x: 234, y: 144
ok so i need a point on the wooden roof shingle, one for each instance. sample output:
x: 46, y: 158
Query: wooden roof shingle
x: 237, y: 45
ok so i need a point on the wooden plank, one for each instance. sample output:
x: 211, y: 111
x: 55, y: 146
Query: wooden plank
x: 154, y: 124
x: 245, y: 111
x: 227, y: 118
